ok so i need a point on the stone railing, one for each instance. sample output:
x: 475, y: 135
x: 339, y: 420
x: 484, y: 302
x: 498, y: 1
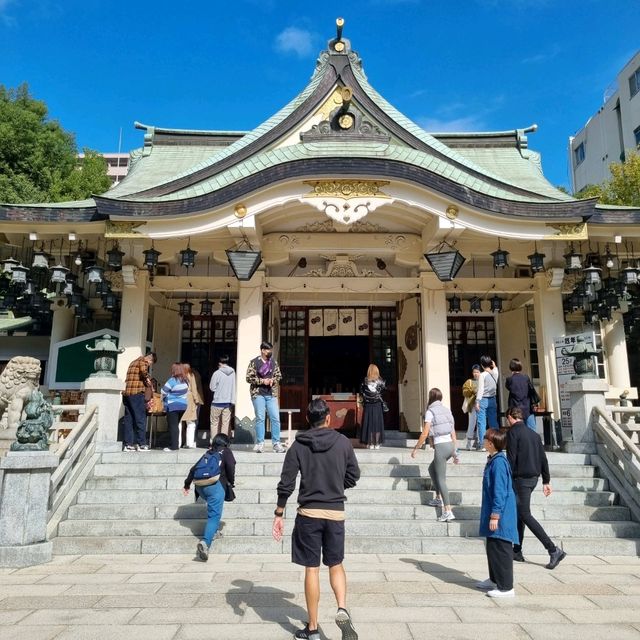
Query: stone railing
x: 618, y: 455
x: 61, y: 430
x: 76, y: 459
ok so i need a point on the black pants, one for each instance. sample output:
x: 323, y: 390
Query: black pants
x: 500, y: 561
x: 523, y: 488
x: 173, y: 421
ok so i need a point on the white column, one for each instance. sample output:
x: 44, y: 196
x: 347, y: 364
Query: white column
x: 249, y: 339
x: 549, y: 318
x: 435, y: 343
x: 133, y: 321
x: 62, y: 328
x: 615, y: 348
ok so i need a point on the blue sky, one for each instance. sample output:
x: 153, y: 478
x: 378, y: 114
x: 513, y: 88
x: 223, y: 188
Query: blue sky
x: 463, y: 65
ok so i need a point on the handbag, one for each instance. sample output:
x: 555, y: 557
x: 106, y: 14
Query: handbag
x: 385, y: 406
x: 229, y: 493
x: 534, y: 398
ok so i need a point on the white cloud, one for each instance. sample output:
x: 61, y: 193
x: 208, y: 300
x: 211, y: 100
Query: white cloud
x: 294, y: 40
x: 542, y: 56
x: 442, y: 125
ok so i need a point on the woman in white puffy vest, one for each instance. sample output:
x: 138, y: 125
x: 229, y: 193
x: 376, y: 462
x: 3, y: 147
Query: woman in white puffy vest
x: 439, y: 424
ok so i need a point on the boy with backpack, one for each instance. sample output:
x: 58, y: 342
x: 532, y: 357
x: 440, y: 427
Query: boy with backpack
x: 212, y: 476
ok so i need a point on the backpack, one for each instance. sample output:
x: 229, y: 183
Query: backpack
x: 207, y: 469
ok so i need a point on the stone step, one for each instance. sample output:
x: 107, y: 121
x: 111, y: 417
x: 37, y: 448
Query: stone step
x: 261, y: 545
x: 369, y: 528
x: 354, y: 511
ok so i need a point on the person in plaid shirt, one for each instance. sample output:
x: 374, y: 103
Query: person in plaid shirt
x: 135, y: 411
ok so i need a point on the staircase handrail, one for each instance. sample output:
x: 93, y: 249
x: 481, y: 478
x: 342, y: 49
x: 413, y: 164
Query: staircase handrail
x: 621, y: 457
x: 57, y: 427
x: 76, y: 459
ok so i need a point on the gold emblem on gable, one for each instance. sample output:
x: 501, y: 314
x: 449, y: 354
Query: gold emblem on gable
x: 117, y: 229
x: 568, y: 231
x: 346, y: 188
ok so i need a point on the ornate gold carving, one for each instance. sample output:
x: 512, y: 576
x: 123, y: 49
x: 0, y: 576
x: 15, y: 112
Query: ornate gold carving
x: 452, y: 212
x: 345, y: 121
x: 324, y: 226
x: 362, y: 226
x: 571, y: 230
x: 346, y: 188
x: 339, y: 46
x: 333, y: 101
x: 118, y: 229
x: 240, y: 211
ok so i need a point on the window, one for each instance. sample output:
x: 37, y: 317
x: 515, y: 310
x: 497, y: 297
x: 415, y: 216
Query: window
x: 636, y: 135
x: 634, y: 82
x: 579, y: 154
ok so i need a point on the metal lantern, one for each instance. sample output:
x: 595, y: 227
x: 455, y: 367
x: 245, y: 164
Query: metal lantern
x: 536, y: 261
x: 629, y: 275
x: 611, y: 301
x: 227, y: 306
x: 19, y: 275
x: 39, y: 302
x: 604, y: 313
x: 244, y: 263
x: 84, y: 312
x: 592, y: 275
x: 114, y: 257
x: 30, y: 287
x: 95, y: 274
x: 188, y: 257
x: 184, y: 308
x: 76, y: 297
x: 573, y: 260
x: 110, y: 301
x: 475, y: 306
x: 151, y: 258
x: 103, y: 287
x: 70, y: 285
x: 9, y: 301
x: 500, y: 258
x: 40, y: 260
x: 445, y: 264
x: 455, y: 304
x: 9, y: 264
x: 206, y: 307
x: 496, y: 304
x: 59, y: 274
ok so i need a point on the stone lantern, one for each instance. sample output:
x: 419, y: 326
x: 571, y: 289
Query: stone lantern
x: 106, y: 353
x: 583, y: 358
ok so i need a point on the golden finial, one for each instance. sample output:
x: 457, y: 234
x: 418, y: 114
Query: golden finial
x: 339, y: 25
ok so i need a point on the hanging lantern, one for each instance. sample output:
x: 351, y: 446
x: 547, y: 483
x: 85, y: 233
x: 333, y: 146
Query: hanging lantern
x: 70, y: 284
x: 608, y: 258
x: 244, y: 263
x: 114, y: 257
x: 188, y: 257
x: 592, y: 275
x: 227, y: 306
x: 184, y: 308
x: 536, y: 261
x: 110, y: 301
x: 611, y: 301
x: 29, y: 288
x: 76, y: 299
x: 94, y: 274
x: 84, y: 312
x: 475, y: 306
x: 629, y: 275
x: 455, y: 304
x: 206, y: 307
x: 496, y: 304
x: 9, y: 264
x: 103, y: 288
x: 573, y: 260
x: 59, y: 274
x: 500, y: 258
x: 445, y: 264
x: 40, y: 260
x: 19, y: 275
x: 151, y: 258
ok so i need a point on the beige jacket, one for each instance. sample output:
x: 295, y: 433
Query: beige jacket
x: 194, y: 398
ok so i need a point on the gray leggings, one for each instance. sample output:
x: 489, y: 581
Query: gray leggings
x: 438, y: 469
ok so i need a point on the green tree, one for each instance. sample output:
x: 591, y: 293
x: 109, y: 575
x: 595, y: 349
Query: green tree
x: 38, y: 158
x: 623, y: 188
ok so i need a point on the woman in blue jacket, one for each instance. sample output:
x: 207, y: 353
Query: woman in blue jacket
x: 498, y: 517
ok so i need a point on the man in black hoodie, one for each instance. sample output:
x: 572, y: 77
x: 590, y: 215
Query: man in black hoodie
x: 528, y: 461
x: 327, y: 465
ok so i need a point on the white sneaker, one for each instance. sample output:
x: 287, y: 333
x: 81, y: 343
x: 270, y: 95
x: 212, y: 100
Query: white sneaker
x: 258, y: 447
x: 278, y: 447
x: 377, y: 446
x: 496, y: 593
x: 486, y: 585
x: 447, y: 516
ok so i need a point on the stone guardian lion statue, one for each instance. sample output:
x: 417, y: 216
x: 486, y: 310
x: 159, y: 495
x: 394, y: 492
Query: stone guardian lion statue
x: 19, y: 379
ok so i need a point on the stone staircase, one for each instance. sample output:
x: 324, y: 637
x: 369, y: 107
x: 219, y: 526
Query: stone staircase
x: 133, y: 504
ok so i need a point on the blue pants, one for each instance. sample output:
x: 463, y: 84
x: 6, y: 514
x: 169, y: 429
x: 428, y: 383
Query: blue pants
x: 214, y: 495
x: 134, y: 423
x: 264, y: 405
x: 487, y: 414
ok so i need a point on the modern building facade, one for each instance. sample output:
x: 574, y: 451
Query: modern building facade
x: 610, y: 133
x: 345, y: 234
x: 117, y: 165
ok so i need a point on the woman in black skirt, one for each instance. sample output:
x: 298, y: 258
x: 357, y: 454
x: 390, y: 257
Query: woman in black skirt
x: 372, y: 433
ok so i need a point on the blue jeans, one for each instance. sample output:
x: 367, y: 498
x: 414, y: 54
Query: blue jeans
x: 531, y: 422
x: 134, y: 423
x: 488, y: 413
x: 214, y: 495
x: 264, y: 405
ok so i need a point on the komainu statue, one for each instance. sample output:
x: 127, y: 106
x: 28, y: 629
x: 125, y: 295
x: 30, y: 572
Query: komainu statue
x: 33, y: 432
x: 19, y: 379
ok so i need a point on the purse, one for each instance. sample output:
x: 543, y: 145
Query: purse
x: 229, y: 493
x: 534, y: 398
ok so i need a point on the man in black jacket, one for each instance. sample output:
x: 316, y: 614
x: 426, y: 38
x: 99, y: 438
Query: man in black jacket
x: 528, y: 461
x: 327, y: 465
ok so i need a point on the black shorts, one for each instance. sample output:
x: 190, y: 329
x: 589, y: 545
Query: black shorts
x: 312, y: 535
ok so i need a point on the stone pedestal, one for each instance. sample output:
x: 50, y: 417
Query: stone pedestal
x: 7, y: 437
x: 585, y: 395
x: 106, y: 394
x: 24, y: 500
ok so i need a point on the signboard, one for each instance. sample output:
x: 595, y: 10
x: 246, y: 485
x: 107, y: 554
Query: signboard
x: 564, y: 366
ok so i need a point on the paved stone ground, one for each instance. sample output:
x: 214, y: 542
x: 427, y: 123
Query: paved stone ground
x: 261, y: 597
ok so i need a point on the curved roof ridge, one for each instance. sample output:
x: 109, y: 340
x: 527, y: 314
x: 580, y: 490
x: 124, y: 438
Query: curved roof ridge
x: 192, y: 132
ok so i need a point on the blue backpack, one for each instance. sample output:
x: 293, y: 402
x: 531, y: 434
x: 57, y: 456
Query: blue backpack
x: 207, y: 469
